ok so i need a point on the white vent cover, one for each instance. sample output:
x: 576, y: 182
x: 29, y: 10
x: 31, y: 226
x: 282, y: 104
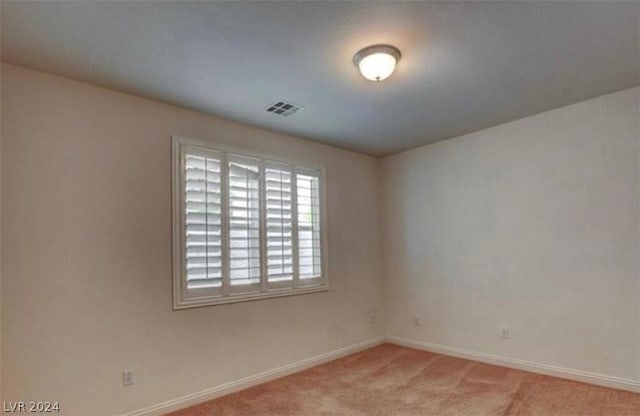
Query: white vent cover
x: 283, y: 108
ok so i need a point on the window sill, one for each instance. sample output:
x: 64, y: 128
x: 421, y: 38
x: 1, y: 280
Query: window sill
x: 247, y: 297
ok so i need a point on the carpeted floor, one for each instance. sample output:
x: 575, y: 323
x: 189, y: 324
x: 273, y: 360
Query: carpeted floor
x: 389, y: 380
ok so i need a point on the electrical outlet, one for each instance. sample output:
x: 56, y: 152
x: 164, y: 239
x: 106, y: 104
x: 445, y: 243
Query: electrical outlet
x: 372, y: 318
x: 127, y: 377
x: 504, y: 332
x: 416, y: 321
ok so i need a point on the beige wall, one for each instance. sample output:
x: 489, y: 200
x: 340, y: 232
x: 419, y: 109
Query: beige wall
x: 533, y: 225
x: 1, y: 397
x: 86, y: 269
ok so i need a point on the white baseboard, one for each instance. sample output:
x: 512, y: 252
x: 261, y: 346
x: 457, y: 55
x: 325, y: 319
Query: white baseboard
x: 246, y: 382
x: 546, y: 369
x: 265, y: 376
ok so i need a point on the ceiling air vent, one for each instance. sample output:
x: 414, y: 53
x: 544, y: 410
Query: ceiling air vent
x: 283, y: 108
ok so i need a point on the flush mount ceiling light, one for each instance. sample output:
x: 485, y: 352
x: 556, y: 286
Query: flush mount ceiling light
x: 377, y: 62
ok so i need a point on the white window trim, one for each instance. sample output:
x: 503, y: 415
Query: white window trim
x: 181, y: 298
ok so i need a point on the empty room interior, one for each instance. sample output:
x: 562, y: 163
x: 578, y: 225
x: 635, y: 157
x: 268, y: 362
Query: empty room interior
x: 320, y: 208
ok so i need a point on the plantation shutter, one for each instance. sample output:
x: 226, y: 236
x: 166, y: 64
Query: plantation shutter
x: 244, y: 227
x: 279, y: 239
x: 203, y: 220
x: 244, y: 221
x: 309, y: 243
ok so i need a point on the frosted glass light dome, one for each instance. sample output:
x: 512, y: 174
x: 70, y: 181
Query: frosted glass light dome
x: 377, y: 62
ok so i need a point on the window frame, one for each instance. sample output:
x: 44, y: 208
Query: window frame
x: 184, y: 298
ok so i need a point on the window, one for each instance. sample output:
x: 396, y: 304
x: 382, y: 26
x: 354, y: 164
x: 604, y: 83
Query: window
x: 245, y: 227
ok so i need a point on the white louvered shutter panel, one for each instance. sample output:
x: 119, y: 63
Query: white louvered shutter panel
x: 244, y: 221
x: 309, y: 243
x: 203, y: 220
x: 279, y: 224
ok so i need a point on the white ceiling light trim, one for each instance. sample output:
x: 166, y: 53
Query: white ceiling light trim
x: 377, y: 62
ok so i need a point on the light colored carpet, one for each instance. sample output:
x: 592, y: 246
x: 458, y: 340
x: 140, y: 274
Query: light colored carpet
x: 389, y: 380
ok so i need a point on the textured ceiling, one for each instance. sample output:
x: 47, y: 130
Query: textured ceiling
x: 465, y: 65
